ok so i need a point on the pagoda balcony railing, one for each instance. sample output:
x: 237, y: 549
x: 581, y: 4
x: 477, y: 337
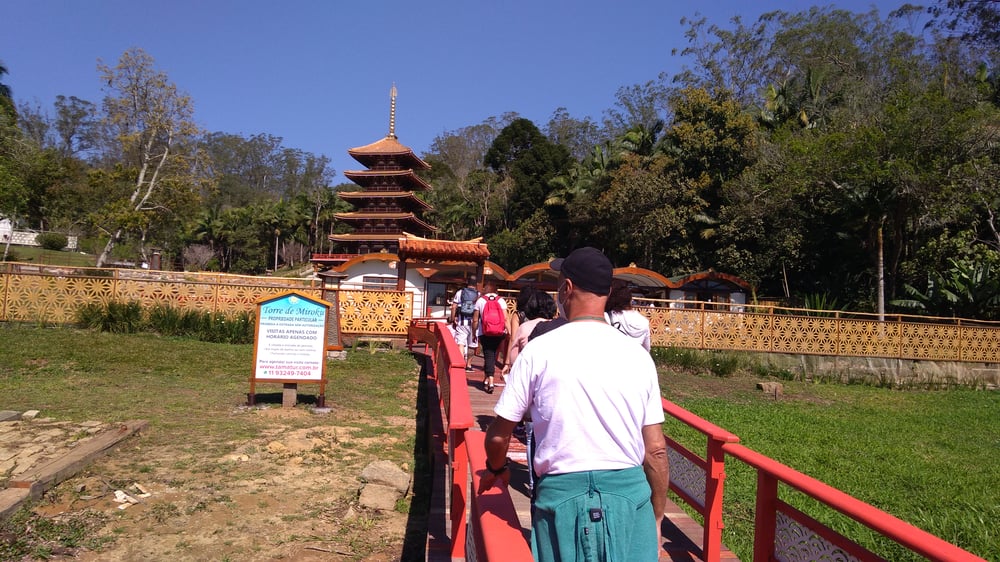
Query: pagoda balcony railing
x: 333, y: 257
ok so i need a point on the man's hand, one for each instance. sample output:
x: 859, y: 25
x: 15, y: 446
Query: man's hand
x: 497, y: 442
x: 656, y: 467
x: 488, y: 480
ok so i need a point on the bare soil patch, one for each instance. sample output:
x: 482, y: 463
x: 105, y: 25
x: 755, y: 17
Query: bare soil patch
x: 288, y: 493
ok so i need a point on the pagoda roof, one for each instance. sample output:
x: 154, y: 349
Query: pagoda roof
x: 387, y: 146
x: 408, y: 217
x: 416, y: 248
x: 364, y: 177
x: 409, y: 195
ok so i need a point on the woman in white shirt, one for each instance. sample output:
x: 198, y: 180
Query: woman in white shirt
x: 619, y: 313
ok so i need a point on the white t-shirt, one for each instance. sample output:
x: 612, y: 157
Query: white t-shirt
x: 631, y: 323
x: 589, y: 390
x: 481, y: 305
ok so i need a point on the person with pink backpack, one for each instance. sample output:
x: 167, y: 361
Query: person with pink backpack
x: 490, y: 327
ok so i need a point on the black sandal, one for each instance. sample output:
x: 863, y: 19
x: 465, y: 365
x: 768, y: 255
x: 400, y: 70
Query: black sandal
x: 489, y: 389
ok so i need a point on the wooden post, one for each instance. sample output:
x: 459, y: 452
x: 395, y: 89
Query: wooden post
x: 289, y: 395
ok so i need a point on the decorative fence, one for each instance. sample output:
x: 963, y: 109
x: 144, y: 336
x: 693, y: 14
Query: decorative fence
x: 805, y: 332
x: 52, y: 294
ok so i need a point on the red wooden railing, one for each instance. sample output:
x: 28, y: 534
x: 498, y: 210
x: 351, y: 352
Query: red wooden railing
x: 712, y: 465
x: 770, y: 473
x: 495, y: 532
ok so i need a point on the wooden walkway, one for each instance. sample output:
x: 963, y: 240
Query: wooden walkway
x: 682, y: 535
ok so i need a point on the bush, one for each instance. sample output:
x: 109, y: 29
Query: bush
x: 52, y: 241
x: 724, y: 364
x: 720, y: 364
x: 115, y: 317
x: 679, y: 357
x: 129, y: 317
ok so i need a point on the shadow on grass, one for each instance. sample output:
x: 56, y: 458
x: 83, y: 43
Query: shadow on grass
x: 415, y: 541
x: 276, y: 398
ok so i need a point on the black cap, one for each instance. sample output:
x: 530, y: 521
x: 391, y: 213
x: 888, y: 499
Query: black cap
x: 588, y: 268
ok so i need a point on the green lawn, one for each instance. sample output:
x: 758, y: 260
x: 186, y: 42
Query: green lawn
x: 927, y: 457
x: 34, y: 254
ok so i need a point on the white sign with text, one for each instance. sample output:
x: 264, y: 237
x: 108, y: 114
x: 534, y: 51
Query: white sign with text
x: 291, y: 340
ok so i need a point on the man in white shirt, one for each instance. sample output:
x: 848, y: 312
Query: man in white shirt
x: 600, y: 455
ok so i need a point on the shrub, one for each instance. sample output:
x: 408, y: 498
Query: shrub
x: 115, y: 317
x: 724, y: 364
x: 90, y: 315
x: 123, y: 318
x: 678, y: 356
x: 52, y: 240
x: 206, y: 326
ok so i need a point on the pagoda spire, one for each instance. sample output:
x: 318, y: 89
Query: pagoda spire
x: 392, y: 112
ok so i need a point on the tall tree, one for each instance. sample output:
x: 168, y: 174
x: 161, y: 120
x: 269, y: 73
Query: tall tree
x: 522, y: 154
x: 971, y: 20
x: 75, y: 125
x: 7, y: 109
x: 637, y: 105
x: 579, y: 136
x: 152, y: 132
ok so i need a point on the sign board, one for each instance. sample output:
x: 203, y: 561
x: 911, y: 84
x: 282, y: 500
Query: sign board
x: 290, y: 341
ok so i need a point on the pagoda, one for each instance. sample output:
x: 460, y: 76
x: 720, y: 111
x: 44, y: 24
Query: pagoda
x: 386, y: 207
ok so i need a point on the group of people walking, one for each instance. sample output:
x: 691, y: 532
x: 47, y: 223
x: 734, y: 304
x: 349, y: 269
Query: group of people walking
x: 576, y: 368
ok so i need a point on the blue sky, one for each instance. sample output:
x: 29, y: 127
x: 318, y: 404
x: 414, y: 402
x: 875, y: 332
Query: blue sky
x: 318, y: 73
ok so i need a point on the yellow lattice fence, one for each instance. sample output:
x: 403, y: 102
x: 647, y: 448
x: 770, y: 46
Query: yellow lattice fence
x: 53, y: 295
x: 822, y: 335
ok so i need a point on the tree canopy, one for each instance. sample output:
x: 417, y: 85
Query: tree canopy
x: 820, y: 152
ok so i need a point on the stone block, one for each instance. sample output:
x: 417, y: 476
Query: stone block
x: 9, y: 415
x: 771, y: 388
x: 377, y: 496
x: 386, y: 473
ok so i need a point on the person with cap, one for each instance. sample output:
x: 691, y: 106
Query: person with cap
x: 600, y: 455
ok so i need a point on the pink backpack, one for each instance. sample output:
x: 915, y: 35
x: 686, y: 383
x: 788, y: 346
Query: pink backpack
x: 494, y: 317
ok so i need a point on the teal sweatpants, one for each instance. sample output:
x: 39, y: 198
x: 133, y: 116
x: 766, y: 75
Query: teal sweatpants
x: 601, y: 515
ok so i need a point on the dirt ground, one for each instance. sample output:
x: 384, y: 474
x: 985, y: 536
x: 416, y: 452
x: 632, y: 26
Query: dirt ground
x: 290, y: 493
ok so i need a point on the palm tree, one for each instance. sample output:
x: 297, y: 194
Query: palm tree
x: 5, y: 91
x: 7, y: 96
x: 967, y: 290
x: 642, y: 140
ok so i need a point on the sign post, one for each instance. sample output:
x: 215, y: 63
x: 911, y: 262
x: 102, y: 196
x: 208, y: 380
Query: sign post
x: 290, y: 345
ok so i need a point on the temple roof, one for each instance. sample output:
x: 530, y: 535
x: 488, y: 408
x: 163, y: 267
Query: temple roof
x: 365, y: 178
x: 416, y: 248
x: 407, y: 217
x: 387, y: 146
